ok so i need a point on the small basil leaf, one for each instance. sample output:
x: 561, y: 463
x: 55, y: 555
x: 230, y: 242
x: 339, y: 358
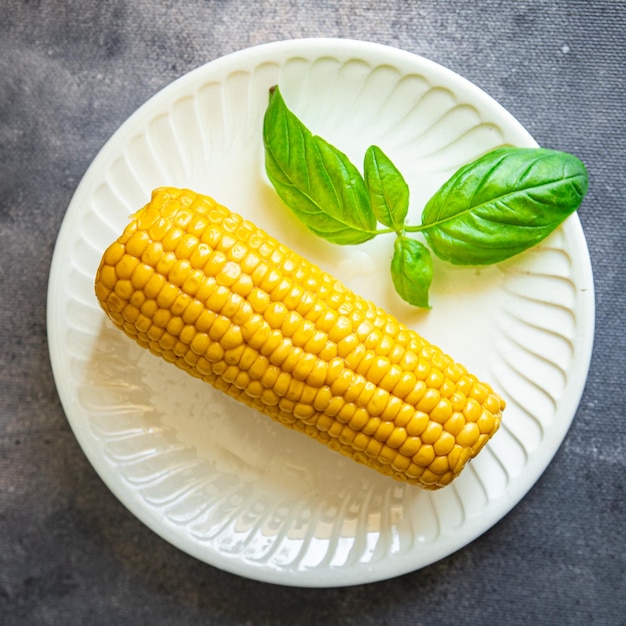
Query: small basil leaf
x: 412, y: 271
x: 502, y: 204
x: 314, y: 179
x: 388, y: 191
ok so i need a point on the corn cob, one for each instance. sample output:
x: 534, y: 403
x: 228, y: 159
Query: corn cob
x: 218, y: 297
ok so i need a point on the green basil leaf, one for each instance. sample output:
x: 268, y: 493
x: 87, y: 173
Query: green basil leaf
x: 314, y: 179
x: 502, y: 204
x: 388, y: 191
x: 412, y: 271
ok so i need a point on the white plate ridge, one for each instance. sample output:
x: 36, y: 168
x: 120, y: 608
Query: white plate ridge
x: 226, y: 484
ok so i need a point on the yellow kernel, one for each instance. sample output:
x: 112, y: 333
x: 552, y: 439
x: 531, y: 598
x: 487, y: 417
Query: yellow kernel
x: 345, y: 411
x: 373, y: 447
x: 294, y: 356
x: 347, y: 435
x: 167, y: 295
x: 174, y: 326
x: 348, y: 385
x: 268, y: 397
x: 431, y: 432
x: 137, y: 244
x: 304, y: 366
x: 228, y: 274
x: 414, y: 471
x: 360, y: 441
x: 479, y: 392
x: 378, y: 369
x: 435, y: 378
x: 455, y: 371
x: 200, y: 343
x: 322, y: 398
x: 124, y: 289
x: 405, y: 413
x: 359, y: 419
x: 219, y: 298
x: 472, y: 410
x: 347, y: 345
x: 167, y: 342
x: 397, y: 437
x: 454, y: 456
x: 340, y: 329
x: 113, y: 254
x: 424, y: 456
x: 130, y: 313
x: 447, y: 389
x: 180, y: 303
x: 272, y: 340
x: 179, y: 271
x: 486, y: 423
x: 440, y: 465
x: 409, y: 360
x: 334, y: 406
x: 171, y: 239
x: 317, y: 343
x: 372, y: 425
x: 186, y: 246
x: 384, y: 430
x: 216, y: 262
x: 391, y: 376
x: 458, y: 401
x: 418, y: 391
x: 187, y: 333
x: 141, y: 275
x: 387, y: 454
x: 324, y: 422
x: 281, y: 352
x: 445, y: 443
x: 200, y: 256
x: 165, y: 263
x: 115, y: 305
x: 469, y: 435
x: 125, y: 267
x: 317, y: 376
x: 291, y: 323
x: 157, y: 230
x: 405, y: 385
x: 219, y: 327
x: 442, y: 411
x: 161, y: 317
x: 417, y: 424
x: 428, y: 400
x: 377, y: 402
x: 464, y: 385
x: 400, y: 463
x: 392, y: 409
x: 410, y: 446
x: 481, y: 441
x: 353, y: 360
x: 455, y: 423
x: 231, y: 338
x: 254, y: 389
x: 494, y: 403
x: 429, y: 478
x: 303, y: 333
x: 425, y: 371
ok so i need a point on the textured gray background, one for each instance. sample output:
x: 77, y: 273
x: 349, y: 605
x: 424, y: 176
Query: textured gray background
x: 70, y: 74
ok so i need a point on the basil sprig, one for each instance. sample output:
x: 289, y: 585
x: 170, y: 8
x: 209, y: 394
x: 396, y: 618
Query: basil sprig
x: 496, y: 207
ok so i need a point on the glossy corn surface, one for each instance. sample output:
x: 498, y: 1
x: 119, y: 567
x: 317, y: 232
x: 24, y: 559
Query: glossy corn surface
x: 210, y: 292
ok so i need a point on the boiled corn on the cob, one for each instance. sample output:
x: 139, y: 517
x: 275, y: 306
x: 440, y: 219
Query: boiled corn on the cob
x: 213, y: 294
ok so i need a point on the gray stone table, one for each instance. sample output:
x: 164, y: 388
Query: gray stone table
x: 70, y: 73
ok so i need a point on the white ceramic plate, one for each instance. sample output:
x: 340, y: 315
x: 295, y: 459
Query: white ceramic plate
x: 228, y: 485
